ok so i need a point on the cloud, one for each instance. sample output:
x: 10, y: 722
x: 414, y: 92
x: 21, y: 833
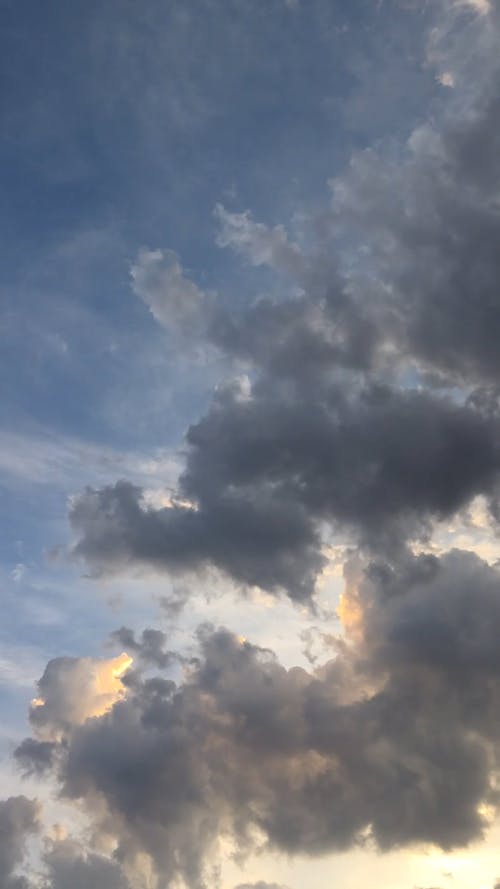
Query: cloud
x: 260, y: 885
x: 65, y: 864
x: 173, y: 299
x: 150, y: 648
x: 73, y: 690
x: 68, y: 866
x: 483, y: 7
x: 428, y: 223
x: 266, y: 471
x: 66, y: 462
x: 328, y: 431
x: 258, y: 541
x: 18, y: 820
x: 369, y: 413
x: 397, y: 735
x: 259, y: 243
x: 35, y: 757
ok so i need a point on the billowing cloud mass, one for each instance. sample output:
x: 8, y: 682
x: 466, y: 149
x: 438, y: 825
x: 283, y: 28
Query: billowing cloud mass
x: 396, y: 736
x: 360, y: 408
x: 370, y: 408
x: 150, y: 649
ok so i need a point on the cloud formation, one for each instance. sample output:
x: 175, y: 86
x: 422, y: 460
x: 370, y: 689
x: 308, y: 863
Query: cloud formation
x: 18, y: 820
x: 173, y: 299
x: 73, y: 690
x: 68, y: 866
x: 266, y: 472
x: 370, y: 409
x: 395, y: 738
x: 361, y: 406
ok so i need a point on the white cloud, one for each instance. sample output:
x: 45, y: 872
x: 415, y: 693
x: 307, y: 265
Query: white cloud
x: 173, y: 299
x: 259, y: 243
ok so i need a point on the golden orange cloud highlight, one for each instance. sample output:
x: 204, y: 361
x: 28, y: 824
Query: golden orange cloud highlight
x: 350, y: 608
x: 82, y: 688
x: 108, y: 683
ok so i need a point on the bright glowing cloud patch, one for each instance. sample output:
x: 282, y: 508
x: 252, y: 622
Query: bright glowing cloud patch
x: 73, y: 690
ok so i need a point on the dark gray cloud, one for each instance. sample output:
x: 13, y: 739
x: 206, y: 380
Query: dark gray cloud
x: 407, y: 258
x: 64, y: 864
x: 18, y: 820
x: 149, y: 648
x: 264, y: 473
x: 257, y: 540
x: 35, y: 757
x: 397, y: 734
x: 429, y: 220
x: 70, y: 691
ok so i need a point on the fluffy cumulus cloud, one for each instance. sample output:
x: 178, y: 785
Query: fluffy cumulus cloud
x: 360, y: 407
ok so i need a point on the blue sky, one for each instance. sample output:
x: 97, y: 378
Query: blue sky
x: 336, y: 137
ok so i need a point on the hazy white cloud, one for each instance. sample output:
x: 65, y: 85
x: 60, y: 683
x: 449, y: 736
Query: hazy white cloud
x: 259, y: 243
x: 46, y: 459
x: 172, y: 297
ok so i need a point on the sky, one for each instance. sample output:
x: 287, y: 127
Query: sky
x: 250, y: 444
